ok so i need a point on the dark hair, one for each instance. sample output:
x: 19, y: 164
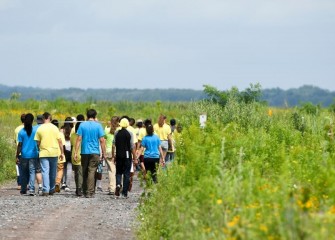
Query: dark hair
x: 28, y: 123
x: 91, y: 113
x: 139, y: 124
x: 131, y: 121
x: 67, y: 128
x: 150, y: 130
x: 114, y: 124
x: 80, y: 118
x: 172, y: 122
x: 55, y: 122
x: 22, y: 117
x: 46, y: 115
x: 125, y: 116
x: 147, y: 122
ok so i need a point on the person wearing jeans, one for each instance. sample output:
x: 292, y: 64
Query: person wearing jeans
x: 49, y: 169
x: 49, y: 142
x: 27, y: 148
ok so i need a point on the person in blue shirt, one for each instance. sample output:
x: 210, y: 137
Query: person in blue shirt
x: 28, y: 149
x: 153, y: 153
x: 90, y: 139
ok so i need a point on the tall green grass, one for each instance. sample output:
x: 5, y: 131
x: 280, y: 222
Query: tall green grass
x: 246, y: 175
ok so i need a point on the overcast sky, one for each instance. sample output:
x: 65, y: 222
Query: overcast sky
x: 167, y: 44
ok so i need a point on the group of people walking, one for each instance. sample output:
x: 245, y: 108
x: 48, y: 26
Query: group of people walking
x: 49, y: 155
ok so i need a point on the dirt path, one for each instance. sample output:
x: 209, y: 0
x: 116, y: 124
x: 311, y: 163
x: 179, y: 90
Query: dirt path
x: 65, y: 216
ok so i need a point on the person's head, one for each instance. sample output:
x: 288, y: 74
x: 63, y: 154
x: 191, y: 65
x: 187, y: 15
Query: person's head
x: 139, y: 123
x: 39, y: 119
x: 47, y: 117
x: 131, y: 121
x: 124, y: 123
x: 150, y: 130
x: 68, y: 122
x: 22, y: 117
x: 28, y: 123
x: 55, y: 122
x: 125, y: 116
x: 80, y: 119
x: 179, y: 128
x: 172, y: 122
x: 114, y: 124
x: 147, y: 122
x: 91, y: 113
x: 68, y: 125
x: 161, y: 120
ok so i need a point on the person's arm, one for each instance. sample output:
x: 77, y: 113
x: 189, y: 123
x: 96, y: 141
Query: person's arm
x: 113, y: 153
x: 61, y: 147
x: 78, y: 142
x: 103, y: 147
x: 18, y: 152
x: 162, y: 161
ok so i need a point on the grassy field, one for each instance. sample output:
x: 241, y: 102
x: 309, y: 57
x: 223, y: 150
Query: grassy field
x: 252, y: 173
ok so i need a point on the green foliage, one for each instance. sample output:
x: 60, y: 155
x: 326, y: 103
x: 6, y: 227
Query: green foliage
x: 246, y: 175
x: 310, y: 108
x: 7, y: 160
x: 249, y: 95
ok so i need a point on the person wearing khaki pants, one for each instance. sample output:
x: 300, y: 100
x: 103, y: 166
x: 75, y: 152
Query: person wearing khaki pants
x: 61, y: 161
x: 90, y: 140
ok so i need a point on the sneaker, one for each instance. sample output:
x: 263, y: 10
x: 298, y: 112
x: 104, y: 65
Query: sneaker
x: 117, y: 190
x: 63, y: 186
x: 45, y: 194
x: 99, y: 189
x: 31, y: 193
x: 79, y: 192
x: 57, y: 188
x: 111, y: 193
x: 39, y: 191
x: 124, y: 196
x: 67, y: 189
x: 51, y: 192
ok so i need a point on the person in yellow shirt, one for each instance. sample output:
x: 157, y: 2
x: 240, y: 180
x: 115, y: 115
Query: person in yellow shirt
x: 61, y: 161
x: 49, y: 143
x: 134, y: 131
x: 163, y: 130
x: 172, y: 144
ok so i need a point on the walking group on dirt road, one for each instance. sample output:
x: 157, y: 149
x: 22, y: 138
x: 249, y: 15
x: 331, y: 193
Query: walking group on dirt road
x: 53, y: 156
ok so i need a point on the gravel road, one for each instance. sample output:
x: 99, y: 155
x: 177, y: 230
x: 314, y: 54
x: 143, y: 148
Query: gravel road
x: 66, y: 216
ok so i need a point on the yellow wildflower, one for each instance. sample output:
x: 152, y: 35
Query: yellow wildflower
x: 233, y: 222
x: 263, y: 228
x: 332, y: 210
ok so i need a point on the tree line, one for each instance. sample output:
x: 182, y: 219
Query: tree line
x: 273, y: 97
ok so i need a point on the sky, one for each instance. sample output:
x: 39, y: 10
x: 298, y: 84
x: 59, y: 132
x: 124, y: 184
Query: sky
x: 182, y: 44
